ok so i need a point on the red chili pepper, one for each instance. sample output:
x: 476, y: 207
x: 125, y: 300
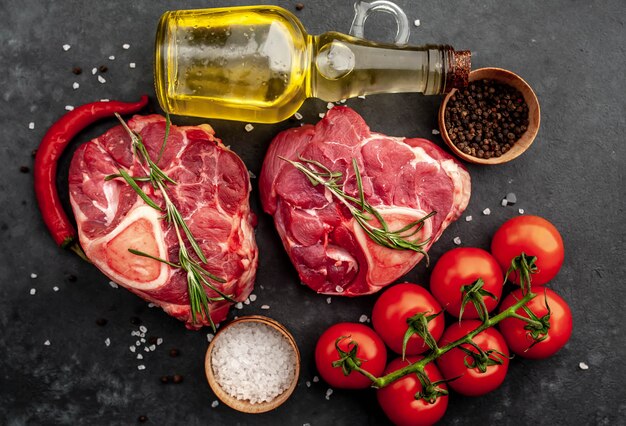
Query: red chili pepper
x: 52, y: 146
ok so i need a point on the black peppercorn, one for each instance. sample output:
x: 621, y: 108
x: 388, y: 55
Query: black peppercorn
x: 174, y: 352
x: 142, y: 419
x: 177, y: 378
x: 101, y: 322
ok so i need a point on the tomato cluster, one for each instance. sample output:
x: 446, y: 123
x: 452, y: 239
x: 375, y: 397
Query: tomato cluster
x: 466, y: 283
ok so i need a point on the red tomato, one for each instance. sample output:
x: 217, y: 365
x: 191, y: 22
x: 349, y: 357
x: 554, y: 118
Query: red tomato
x: 370, y: 350
x: 463, y: 266
x: 471, y: 381
x: 398, y: 398
x: 533, y: 236
x: 392, y: 309
x: 519, y: 339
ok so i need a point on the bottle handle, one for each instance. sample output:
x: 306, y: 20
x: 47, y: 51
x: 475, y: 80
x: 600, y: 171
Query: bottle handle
x: 362, y: 10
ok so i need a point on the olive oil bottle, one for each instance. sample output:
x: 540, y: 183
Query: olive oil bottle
x: 258, y: 64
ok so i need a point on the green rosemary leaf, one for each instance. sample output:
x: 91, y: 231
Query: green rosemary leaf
x: 359, y: 184
x: 167, y: 133
x: 131, y: 182
x: 143, y: 254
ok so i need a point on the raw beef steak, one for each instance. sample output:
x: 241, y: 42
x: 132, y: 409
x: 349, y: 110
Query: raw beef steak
x: 211, y: 194
x: 404, y: 179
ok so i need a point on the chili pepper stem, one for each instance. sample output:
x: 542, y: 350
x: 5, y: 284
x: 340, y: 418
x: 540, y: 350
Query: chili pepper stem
x: 76, y: 248
x: 380, y: 382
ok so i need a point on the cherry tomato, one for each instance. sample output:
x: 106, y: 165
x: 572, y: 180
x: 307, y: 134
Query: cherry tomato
x: 533, y: 236
x: 395, y: 306
x: 518, y: 337
x: 463, y: 266
x: 398, y: 398
x: 471, y: 381
x: 370, y: 350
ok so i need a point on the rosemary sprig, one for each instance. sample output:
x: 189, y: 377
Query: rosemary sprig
x: 362, y: 211
x: 197, y: 277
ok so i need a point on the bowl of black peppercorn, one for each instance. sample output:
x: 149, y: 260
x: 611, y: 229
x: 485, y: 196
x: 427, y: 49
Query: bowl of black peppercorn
x: 491, y: 121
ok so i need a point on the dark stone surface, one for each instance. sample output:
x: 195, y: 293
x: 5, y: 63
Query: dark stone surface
x: 571, y: 53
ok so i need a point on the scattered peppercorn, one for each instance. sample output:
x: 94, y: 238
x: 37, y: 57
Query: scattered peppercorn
x: 142, y: 419
x: 33, y: 153
x: 177, y: 378
x: 72, y: 278
x: 152, y: 340
x: 165, y: 379
x: 135, y: 320
x: 486, y: 119
x: 103, y: 68
x: 24, y: 169
x: 101, y: 322
x: 77, y: 70
x: 174, y: 352
x: 299, y: 6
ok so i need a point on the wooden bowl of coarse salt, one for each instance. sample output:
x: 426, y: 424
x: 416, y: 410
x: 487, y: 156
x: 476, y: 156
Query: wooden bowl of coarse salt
x: 253, y: 364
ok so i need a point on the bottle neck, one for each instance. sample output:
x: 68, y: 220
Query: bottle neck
x: 344, y: 67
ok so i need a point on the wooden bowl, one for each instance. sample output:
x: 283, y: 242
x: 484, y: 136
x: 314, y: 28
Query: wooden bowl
x: 243, y: 405
x: 527, y: 138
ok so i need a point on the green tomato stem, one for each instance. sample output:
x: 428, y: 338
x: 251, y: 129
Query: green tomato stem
x: 380, y: 382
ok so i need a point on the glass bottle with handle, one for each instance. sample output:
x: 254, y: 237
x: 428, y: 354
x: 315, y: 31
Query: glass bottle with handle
x: 258, y: 64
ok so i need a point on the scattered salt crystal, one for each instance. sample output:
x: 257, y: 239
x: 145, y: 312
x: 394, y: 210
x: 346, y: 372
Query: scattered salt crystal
x: 487, y: 211
x: 94, y: 71
x: 308, y: 384
x: 66, y: 47
x: 104, y: 100
x: 69, y: 108
x: 143, y: 340
x: 33, y: 291
x: 316, y: 379
x: 328, y: 300
x: 297, y: 116
x: 143, y: 329
x: 142, y: 335
x: 417, y: 23
x: 363, y: 318
x: 247, y: 301
x: 55, y: 288
x: 339, y: 289
x: 249, y: 127
x: 457, y: 241
x: 511, y: 198
x: 329, y: 392
x: 47, y: 343
x: 101, y: 79
x: 134, y: 333
x: 330, y: 105
x: 209, y: 337
x: 107, y: 341
x: 113, y: 284
x: 31, y: 125
x: 215, y: 404
x: 266, y: 307
x: 33, y: 275
x: 322, y: 114
x: 132, y: 348
x: 343, y: 101
x: 151, y: 305
x: 521, y: 211
x: 132, y: 65
x: 152, y: 347
x: 435, y: 132
x: 137, y: 343
x: 146, y: 349
x: 239, y: 305
x: 361, y: 96
x: 468, y: 218
x: 141, y: 367
x: 583, y: 366
x: 125, y: 46
x: 111, y: 58
x: 252, y: 297
x: 306, y: 424
x: 504, y: 202
x: 241, y: 362
x: 159, y: 340
x: 75, y: 85
x: 139, y: 356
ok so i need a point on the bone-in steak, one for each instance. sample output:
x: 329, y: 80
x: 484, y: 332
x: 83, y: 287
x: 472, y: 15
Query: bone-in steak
x: 211, y: 194
x: 404, y: 179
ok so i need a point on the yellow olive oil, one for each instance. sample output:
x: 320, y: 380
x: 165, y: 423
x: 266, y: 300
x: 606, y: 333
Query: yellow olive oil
x: 258, y: 64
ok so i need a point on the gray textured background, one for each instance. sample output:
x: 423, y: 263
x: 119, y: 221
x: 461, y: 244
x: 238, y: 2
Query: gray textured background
x: 572, y: 54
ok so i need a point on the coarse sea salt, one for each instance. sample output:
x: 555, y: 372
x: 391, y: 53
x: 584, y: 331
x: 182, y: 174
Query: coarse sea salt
x: 75, y: 85
x: 457, y: 241
x: 125, y: 46
x: 297, y: 116
x: 101, y: 79
x: 66, y: 47
x: 249, y: 127
x: 132, y: 65
x: 253, y: 362
x: 33, y: 275
x: 252, y: 297
x: 31, y: 125
x: 487, y: 211
x: 33, y: 291
x: 55, y: 288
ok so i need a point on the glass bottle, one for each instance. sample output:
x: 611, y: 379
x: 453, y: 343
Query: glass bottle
x: 258, y: 64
